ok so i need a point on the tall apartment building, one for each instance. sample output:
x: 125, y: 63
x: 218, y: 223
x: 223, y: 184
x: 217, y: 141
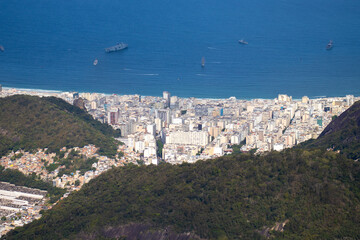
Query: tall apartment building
x: 113, y: 116
x: 199, y: 138
x: 166, y: 96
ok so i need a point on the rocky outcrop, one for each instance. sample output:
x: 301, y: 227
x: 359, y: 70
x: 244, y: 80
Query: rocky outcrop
x: 278, y: 227
x: 137, y: 231
x: 80, y: 103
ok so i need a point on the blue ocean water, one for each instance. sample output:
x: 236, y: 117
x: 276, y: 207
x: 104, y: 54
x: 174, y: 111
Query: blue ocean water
x: 52, y: 44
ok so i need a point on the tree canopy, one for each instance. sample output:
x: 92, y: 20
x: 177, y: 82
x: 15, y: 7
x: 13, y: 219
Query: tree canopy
x: 29, y: 122
x: 236, y: 197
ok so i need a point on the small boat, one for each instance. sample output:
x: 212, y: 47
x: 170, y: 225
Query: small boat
x: 95, y: 62
x: 242, y: 41
x: 203, y: 62
x: 2, y: 48
x: 329, y: 45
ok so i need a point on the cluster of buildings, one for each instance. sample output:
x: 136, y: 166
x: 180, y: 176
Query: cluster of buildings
x: 169, y: 129
x: 176, y: 130
x: 75, y: 180
x: 29, y: 163
x: 37, y: 163
x: 19, y: 206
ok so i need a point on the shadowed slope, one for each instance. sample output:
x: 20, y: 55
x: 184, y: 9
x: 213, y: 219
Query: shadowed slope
x: 343, y: 133
x: 316, y: 192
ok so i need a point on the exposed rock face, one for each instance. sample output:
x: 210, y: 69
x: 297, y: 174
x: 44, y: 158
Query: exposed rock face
x: 278, y: 227
x: 138, y: 231
x: 80, y: 103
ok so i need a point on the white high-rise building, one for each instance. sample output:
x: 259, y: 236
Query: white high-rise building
x: 284, y: 98
x: 166, y: 96
x: 235, y: 139
x: 177, y: 121
x: 151, y: 129
x: 149, y: 152
x: 158, y: 124
x: 139, y: 146
x: 305, y: 100
x: 113, y: 116
x: 93, y: 105
x: 199, y: 138
x: 173, y: 100
x: 349, y: 100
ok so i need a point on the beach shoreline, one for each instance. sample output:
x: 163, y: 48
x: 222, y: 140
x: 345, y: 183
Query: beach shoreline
x: 51, y: 92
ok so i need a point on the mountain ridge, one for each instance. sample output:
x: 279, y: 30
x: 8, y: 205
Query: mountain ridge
x: 343, y: 134
x: 29, y: 122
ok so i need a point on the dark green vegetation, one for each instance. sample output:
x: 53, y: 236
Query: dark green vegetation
x: 104, y: 128
x: 80, y: 163
x: 236, y: 147
x: 235, y: 196
x: 317, y: 192
x: 137, y: 231
x: 19, y: 179
x: 343, y: 134
x: 74, y: 161
x: 28, y: 122
x: 160, y: 146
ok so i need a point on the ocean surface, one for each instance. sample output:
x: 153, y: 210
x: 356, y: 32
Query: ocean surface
x: 51, y: 44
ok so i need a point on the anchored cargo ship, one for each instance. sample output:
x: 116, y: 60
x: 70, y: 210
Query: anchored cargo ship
x: 117, y: 47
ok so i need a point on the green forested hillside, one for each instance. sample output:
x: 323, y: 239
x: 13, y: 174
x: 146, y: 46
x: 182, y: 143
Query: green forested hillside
x: 233, y: 197
x: 28, y: 122
x: 104, y: 128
